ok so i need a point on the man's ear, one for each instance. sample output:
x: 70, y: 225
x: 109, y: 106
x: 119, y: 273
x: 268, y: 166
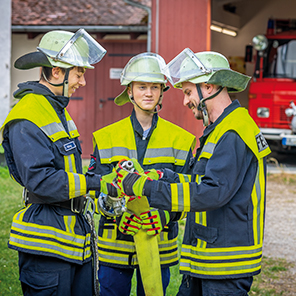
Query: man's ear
x: 209, y: 87
x: 56, y: 71
x: 129, y: 91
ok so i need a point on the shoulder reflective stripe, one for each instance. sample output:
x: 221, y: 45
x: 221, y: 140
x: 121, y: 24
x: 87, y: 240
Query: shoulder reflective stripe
x: 71, y: 126
x: 77, y: 184
x: 53, y: 128
x: 70, y: 222
x: 117, y: 153
x: 180, y: 197
x: 207, y: 150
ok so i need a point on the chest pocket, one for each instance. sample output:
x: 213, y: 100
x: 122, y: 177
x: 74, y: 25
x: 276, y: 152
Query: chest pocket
x: 67, y: 148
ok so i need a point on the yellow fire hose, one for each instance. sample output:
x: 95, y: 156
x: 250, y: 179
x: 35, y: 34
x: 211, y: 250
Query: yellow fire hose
x: 147, y: 252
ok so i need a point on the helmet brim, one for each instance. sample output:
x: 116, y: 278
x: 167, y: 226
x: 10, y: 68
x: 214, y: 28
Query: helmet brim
x: 122, y: 99
x: 232, y: 80
x: 32, y: 60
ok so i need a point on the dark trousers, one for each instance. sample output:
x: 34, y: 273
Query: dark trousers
x: 192, y: 286
x: 118, y: 281
x: 43, y: 276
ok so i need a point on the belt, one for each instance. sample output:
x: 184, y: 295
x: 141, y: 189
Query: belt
x: 76, y: 205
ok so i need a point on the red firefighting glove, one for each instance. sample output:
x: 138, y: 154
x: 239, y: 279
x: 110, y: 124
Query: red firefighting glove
x: 108, y: 187
x: 154, y: 174
x: 130, y: 183
x: 154, y: 221
x: 129, y: 223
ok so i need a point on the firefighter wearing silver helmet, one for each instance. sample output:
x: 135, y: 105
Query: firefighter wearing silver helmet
x: 225, y: 200
x: 155, y: 143
x: 43, y: 154
x: 205, y: 68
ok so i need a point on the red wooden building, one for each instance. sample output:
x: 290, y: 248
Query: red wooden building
x: 170, y: 26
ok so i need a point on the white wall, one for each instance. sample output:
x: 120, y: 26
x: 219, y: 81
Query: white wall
x: 5, y: 49
x: 22, y: 45
x: 235, y: 46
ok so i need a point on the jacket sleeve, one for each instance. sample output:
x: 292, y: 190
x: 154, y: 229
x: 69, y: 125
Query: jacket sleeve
x: 223, y: 174
x: 35, y: 164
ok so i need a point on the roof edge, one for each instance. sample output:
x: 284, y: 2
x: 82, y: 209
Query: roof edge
x: 110, y: 29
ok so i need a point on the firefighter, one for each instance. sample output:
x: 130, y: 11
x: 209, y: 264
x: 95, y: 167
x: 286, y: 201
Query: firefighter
x: 155, y: 143
x: 225, y: 200
x: 43, y: 155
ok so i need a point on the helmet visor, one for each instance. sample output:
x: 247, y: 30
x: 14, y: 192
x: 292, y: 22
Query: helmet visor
x: 184, y: 67
x: 145, y: 67
x: 81, y: 50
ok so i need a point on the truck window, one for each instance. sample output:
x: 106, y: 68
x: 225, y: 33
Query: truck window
x: 280, y: 59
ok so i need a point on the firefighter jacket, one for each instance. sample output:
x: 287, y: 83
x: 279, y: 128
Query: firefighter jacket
x: 226, y: 203
x: 43, y: 154
x: 166, y: 145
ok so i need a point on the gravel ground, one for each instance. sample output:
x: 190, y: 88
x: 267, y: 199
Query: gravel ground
x: 280, y: 227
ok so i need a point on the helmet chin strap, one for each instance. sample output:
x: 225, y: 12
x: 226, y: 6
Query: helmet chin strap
x: 202, y: 106
x: 158, y: 104
x: 65, y: 83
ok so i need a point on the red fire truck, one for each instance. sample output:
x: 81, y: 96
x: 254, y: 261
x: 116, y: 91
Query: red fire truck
x: 272, y: 94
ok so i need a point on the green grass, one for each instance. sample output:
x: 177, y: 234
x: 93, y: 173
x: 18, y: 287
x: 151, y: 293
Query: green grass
x: 10, y: 202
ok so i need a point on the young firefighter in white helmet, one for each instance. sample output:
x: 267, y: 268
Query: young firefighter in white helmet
x: 43, y: 155
x: 155, y: 143
x: 225, y: 200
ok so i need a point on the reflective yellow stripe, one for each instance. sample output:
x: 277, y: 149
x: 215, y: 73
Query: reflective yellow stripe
x: 44, y: 245
x: 119, y: 252
x: 229, y: 253
x: 70, y: 222
x: 37, y: 109
x: 221, y: 269
x: 183, y: 178
x: 110, y: 231
x: 201, y: 218
x: 186, y: 194
x: 77, y: 184
x: 174, y: 196
x: 48, y: 232
x: 169, y: 150
x: 70, y: 165
x: 117, y: 258
x: 180, y: 197
x: 221, y: 261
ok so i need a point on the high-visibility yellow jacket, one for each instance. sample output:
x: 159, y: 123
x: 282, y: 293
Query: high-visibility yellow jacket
x: 48, y: 164
x: 224, y: 229
x: 168, y: 146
